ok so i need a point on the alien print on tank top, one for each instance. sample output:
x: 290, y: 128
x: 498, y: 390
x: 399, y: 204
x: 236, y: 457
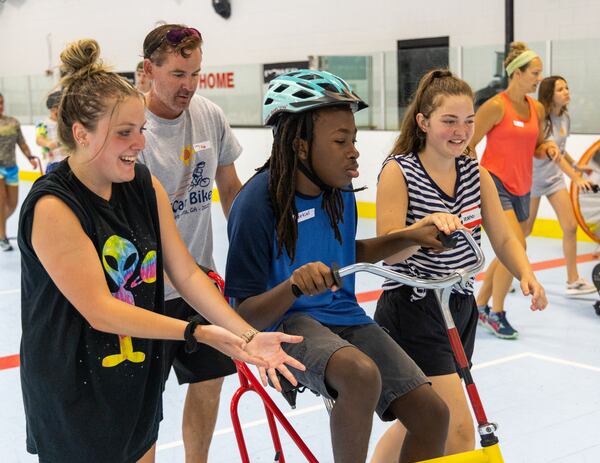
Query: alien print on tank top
x: 81, y: 384
x: 120, y: 259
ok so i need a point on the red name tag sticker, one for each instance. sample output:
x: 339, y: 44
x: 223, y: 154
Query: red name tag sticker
x: 471, y: 217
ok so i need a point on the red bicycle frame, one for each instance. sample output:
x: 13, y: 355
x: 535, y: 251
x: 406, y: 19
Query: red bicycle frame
x: 248, y: 382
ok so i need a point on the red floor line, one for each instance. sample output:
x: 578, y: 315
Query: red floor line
x: 12, y: 361
x: 552, y: 263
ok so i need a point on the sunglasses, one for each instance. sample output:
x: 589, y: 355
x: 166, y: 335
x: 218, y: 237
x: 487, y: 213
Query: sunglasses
x: 174, y: 37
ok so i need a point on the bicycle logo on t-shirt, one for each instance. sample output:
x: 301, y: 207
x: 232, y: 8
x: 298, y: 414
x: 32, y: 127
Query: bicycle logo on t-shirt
x: 198, y: 178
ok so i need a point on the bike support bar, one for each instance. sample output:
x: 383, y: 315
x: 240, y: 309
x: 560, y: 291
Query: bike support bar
x: 248, y: 382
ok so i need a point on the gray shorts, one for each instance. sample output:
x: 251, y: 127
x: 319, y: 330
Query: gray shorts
x: 547, y: 178
x: 520, y: 204
x: 399, y: 374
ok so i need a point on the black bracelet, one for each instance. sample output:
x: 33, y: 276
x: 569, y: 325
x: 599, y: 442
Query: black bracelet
x: 191, y: 343
x: 296, y: 291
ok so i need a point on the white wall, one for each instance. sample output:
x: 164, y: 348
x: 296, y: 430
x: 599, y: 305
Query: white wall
x: 262, y: 31
x: 373, y: 145
x: 275, y: 30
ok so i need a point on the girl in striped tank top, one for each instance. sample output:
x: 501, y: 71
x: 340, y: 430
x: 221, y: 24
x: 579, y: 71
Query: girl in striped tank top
x: 430, y: 180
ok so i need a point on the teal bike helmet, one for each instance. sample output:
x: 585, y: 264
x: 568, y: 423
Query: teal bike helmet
x: 304, y: 90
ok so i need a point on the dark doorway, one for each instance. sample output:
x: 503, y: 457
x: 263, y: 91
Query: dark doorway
x: 415, y: 58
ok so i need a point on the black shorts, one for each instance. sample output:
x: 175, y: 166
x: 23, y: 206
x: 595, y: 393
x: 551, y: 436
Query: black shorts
x: 419, y: 328
x: 204, y: 364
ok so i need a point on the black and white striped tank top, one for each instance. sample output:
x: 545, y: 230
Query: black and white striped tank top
x: 425, y: 198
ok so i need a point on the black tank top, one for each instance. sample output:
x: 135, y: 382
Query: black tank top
x: 92, y: 396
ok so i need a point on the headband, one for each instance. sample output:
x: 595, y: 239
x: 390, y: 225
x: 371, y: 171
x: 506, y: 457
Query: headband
x: 520, y: 60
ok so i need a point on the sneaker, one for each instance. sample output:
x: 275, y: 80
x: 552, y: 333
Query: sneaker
x: 580, y: 287
x: 5, y: 245
x: 483, y: 312
x: 499, y: 325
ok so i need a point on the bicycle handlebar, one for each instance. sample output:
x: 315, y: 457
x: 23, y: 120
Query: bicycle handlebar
x: 458, y: 276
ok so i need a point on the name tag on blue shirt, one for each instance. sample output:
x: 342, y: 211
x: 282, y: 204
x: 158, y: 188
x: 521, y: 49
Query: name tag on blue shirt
x: 305, y: 215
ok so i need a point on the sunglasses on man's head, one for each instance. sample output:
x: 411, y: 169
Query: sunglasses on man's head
x: 174, y: 37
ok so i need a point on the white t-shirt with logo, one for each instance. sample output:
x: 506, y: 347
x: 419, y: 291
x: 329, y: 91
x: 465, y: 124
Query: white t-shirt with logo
x: 183, y: 154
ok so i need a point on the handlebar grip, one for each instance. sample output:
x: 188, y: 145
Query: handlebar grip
x: 335, y: 268
x: 595, y: 188
x: 335, y: 273
x: 448, y: 241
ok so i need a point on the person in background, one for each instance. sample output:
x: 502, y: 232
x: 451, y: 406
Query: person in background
x: 46, y: 134
x: 142, y: 82
x: 10, y: 137
x: 511, y: 122
x: 548, y: 179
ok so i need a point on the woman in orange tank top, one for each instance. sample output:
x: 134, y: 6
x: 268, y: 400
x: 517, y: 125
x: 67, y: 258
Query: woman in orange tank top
x: 511, y: 123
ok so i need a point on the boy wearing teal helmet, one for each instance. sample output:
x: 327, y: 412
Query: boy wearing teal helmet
x: 288, y: 224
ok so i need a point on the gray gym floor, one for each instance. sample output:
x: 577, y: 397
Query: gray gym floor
x: 542, y: 389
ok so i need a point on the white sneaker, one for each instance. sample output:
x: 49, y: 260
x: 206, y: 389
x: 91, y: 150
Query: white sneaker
x: 5, y: 245
x: 579, y: 287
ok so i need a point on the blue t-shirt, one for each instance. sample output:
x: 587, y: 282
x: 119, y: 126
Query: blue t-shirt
x: 254, y: 268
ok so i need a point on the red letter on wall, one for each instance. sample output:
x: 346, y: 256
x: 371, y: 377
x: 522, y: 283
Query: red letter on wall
x: 230, y: 80
x: 202, y: 81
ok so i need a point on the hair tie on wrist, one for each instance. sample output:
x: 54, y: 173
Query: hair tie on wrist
x: 191, y: 343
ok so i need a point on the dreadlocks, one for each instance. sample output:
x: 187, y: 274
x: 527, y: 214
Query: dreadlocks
x: 283, y: 165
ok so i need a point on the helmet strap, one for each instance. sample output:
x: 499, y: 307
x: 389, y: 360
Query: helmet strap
x: 308, y: 170
x: 312, y: 176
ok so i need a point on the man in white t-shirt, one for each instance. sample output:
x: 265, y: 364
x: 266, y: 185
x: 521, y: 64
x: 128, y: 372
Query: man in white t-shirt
x: 189, y: 146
